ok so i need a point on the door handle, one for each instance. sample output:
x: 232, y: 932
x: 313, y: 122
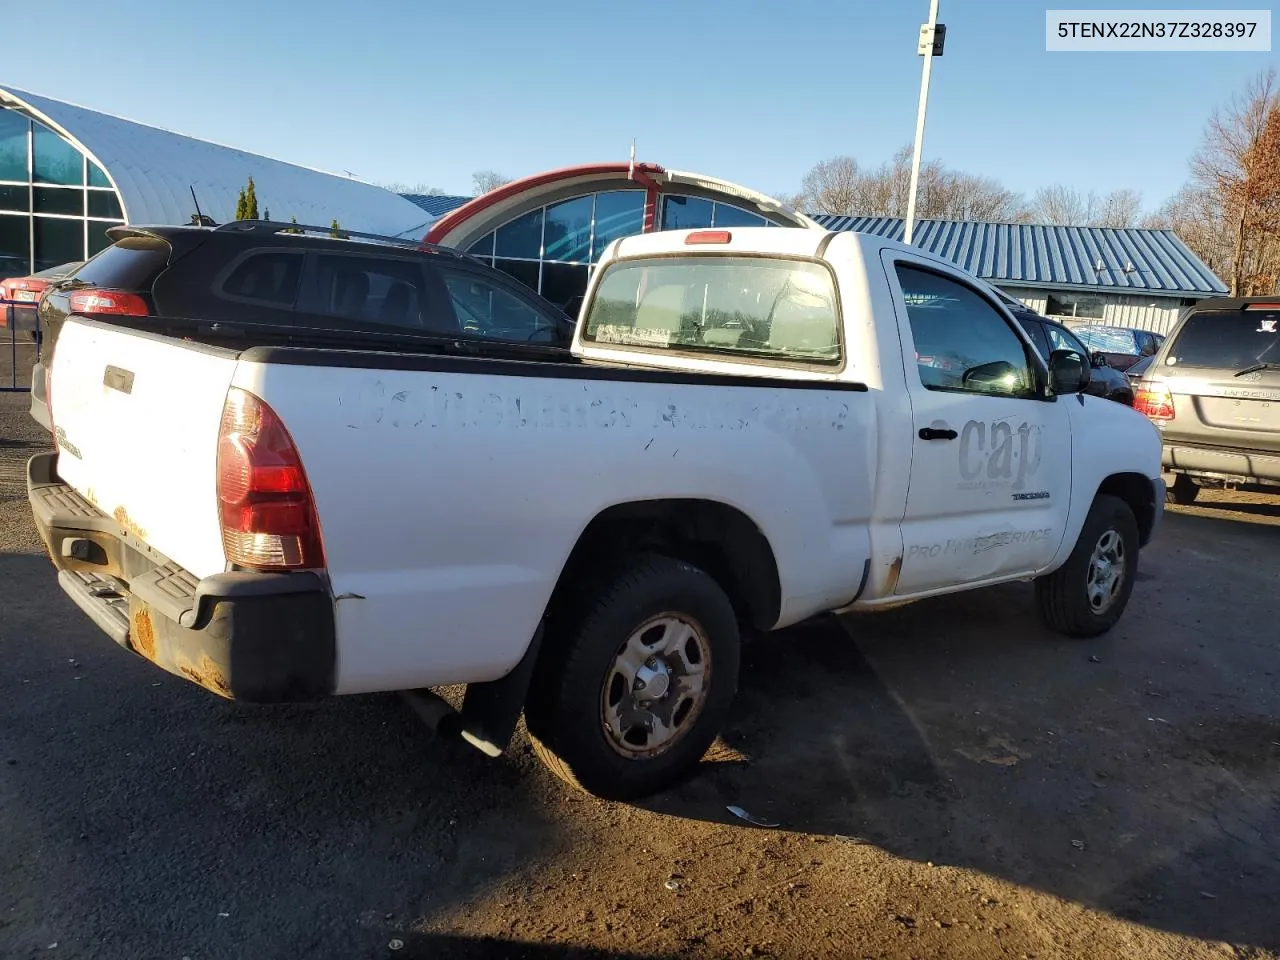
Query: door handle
x: 932, y: 433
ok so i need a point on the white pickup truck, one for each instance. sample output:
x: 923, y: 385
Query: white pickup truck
x: 752, y: 427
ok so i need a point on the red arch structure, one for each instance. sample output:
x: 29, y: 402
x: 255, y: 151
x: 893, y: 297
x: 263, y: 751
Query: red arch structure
x: 463, y: 226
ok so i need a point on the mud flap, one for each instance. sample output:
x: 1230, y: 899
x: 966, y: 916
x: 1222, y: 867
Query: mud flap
x: 491, y: 710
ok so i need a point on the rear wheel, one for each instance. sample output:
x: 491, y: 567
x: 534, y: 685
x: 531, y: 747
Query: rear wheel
x: 633, y: 689
x: 1087, y: 594
x: 1182, y: 491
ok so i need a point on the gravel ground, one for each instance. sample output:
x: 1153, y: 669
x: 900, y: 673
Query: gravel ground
x: 949, y: 780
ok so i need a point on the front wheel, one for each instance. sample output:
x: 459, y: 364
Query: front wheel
x: 628, y: 699
x: 1087, y: 594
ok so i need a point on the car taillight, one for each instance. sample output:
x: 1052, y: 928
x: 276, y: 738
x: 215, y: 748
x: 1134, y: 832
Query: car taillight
x: 109, y: 302
x: 264, y: 501
x: 1153, y: 401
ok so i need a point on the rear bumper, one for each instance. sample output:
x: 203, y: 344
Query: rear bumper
x: 258, y: 637
x: 1221, y: 463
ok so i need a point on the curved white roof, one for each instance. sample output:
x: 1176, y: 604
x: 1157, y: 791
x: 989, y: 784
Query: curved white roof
x: 153, y: 171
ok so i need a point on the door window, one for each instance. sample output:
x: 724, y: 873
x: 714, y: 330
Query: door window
x: 486, y: 308
x: 962, y: 343
x: 270, y: 277
x: 368, y: 290
x: 1036, y: 331
x: 1061, y: 339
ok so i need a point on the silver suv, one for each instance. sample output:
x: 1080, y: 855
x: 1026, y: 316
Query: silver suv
x: 1213, y: 390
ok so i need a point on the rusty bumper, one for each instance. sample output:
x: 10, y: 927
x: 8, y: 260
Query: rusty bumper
x: 259, y: 637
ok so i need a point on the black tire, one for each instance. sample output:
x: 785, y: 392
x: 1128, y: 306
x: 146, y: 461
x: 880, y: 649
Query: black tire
x: 1183, y: 491
x: 1064, y: 595
x: 565, y: 712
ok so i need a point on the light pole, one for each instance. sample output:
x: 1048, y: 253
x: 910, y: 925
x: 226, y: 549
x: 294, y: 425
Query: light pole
x: 932, y: 37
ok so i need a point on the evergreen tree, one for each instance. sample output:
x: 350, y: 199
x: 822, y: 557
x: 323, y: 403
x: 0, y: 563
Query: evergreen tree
x: 250, y: 202
x: 242, y: 206
x: 335, y: 230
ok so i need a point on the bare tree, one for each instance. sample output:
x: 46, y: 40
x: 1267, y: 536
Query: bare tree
x: 423, y: 189
x: 1232, y: 162
x: 1064, y: 206
x: 833, y: 186
x: 1197, y: 217
x: 485, y: 180
x: 1120, y: 208
x: 840, y: 186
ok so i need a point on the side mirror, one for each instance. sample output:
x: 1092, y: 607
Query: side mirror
x: 1068, y: 373
x: 1098, y: 360
x: 1000, y: 376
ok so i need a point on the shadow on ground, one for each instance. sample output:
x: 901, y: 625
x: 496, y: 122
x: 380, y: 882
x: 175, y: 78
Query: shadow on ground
x: 1136, y: 773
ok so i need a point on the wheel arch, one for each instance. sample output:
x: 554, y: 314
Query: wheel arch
x: 710, y: 534
x: 1138, y: 492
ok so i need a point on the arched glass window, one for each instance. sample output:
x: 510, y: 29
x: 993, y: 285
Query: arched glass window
x: 55, y: 203
x: 552, y: 248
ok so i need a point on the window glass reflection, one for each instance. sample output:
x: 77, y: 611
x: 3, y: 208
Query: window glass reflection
x: 683, y: 213
x: 58, y: 200
x: 521, y: 237
x: 15, y: 198
x: 15, y: 246
x: 13, y: 146
x: 730, y: 216
x: 619, y: 213
x: 54, y: 160
x: 568, y: 231
x: 103, y: 204
x: 482, y: 247
x: 526, y: 271
x: 97, y: 178
x: 57, y: 242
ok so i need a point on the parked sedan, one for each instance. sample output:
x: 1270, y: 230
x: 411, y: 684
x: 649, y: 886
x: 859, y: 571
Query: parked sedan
x: 1049, y: 335
x: 1122, y: 346
x: 20, y: 297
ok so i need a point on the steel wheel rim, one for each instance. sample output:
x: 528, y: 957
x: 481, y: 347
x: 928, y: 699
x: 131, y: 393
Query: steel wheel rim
x: 1106, y: 574
x: 656, y: 687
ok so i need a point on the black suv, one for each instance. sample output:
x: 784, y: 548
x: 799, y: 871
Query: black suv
x: 1049, y: 335
x: 300, y: 279
x: 1213, y: 390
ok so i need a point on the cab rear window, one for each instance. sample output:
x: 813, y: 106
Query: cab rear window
x: 737, y: 307
x: 1227, y: 340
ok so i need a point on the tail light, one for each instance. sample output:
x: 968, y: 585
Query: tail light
x: 1154, y: 401
x: 264, y: 501
x: 708, y: 236
x: 108, y: 302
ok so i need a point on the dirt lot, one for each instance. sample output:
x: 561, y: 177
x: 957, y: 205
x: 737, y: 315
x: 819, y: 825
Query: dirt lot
x: 949, y: 780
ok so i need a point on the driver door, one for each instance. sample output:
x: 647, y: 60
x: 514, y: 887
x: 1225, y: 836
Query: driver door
x: 990, y: 470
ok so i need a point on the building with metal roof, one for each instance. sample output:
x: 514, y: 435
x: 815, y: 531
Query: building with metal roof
x: 67, y: 173
x: 549, y: 228
x: 1127, y: 277
x: 437, y: 204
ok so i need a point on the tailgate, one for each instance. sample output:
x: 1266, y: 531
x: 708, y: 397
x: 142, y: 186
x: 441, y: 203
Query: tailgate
x: 136, y: 419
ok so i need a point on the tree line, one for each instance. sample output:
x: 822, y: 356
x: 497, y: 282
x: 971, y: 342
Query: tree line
x: 1228, y: 212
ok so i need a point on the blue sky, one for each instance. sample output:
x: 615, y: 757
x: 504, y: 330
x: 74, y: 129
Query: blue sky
x: 432, y: 91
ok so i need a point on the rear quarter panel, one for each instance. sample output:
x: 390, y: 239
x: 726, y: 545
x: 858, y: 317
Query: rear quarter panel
x: 449, y: 502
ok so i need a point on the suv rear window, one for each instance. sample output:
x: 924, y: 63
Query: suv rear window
x: 1227, y: 339
x: 132, y: 263
x: 741, y: 307
x: 1109, y: 339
